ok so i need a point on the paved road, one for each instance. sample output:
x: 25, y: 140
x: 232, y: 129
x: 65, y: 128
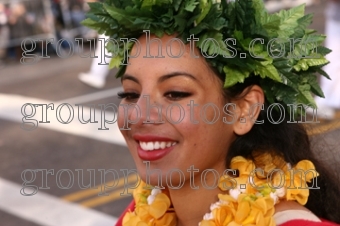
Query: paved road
x: 70, y: 149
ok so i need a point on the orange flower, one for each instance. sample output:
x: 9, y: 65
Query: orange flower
x: 297, y: 179
x: 250, y: 206
x: 151, y: 209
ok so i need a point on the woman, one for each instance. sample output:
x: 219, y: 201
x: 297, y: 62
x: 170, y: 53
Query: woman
x: 208, y: 127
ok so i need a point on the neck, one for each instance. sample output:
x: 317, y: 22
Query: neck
x: 192, y: 204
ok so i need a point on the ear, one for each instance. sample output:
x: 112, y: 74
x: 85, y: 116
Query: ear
x: 248, y: 108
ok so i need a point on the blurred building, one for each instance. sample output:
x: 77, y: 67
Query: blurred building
x: 39, y: 19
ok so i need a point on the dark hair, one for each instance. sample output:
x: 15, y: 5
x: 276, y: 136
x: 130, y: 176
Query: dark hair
x: 291, y: 141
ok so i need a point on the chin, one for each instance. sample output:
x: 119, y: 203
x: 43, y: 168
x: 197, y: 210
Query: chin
x: 155, y: 179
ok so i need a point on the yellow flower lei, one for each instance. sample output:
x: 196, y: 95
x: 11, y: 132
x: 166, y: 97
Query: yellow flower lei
x: 250, y: 206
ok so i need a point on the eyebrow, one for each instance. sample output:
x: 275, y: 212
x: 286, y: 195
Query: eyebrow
x: 162, y: 78
x: 174, y: 74
x: 129, y: 77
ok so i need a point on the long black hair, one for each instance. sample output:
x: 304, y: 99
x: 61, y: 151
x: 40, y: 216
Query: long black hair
x: 291, y: 141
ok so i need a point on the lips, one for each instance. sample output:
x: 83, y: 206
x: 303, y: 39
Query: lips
x: 152, y: 147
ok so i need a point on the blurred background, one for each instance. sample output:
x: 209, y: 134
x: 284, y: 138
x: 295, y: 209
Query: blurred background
x: 48, y: 158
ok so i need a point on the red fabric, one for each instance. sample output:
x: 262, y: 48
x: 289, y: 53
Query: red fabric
x: 131, y: 207
x: 308, y: 223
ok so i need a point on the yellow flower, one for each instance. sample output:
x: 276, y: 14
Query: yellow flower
x: 140, y: 194
x: 296, y: 181
x: 151, y: 209
x: 207, y: 223
x: 167, y: 219
x: 250, y: 206
x: 254, y: 210
x: 225, y: 212
x: 245, y: 168
x: 159, y: 206
x: 130, y: 219
x: 269, y: 162
x: 243, y: 165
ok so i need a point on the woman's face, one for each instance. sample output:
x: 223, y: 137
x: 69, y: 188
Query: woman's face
x: 190, y: 143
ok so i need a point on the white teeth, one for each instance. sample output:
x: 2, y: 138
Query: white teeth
x: 156, y: 145
x: 143, y: 145
x: 149, y: 146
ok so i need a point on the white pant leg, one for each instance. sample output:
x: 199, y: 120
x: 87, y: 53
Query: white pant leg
x: 331, y: 88
x: 99, y: 71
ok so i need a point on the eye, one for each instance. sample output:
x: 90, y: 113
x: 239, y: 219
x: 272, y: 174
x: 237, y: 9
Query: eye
x: 129, y: 96
x: 176, y: 95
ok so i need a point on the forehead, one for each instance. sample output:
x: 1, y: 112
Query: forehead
x: 166, y: 55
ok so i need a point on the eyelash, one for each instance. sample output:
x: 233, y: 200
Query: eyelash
x: 177, y: 95
x: 172, y: 95
x: 128, y: 95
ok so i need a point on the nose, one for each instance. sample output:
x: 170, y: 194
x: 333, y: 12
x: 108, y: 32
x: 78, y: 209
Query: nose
x: 147, y: 111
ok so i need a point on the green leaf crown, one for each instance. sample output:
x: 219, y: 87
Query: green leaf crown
x: 277, y: 47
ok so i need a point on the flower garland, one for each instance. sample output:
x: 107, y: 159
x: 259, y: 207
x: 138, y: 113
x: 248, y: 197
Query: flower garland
x: 252, y: 204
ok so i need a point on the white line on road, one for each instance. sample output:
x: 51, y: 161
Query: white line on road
x: 10, y: 109
x: 93, y: 96
x: 44, y: 209
x: 19, y: 73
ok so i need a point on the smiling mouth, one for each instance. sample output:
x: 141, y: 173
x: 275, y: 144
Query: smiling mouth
x: 156, y: 145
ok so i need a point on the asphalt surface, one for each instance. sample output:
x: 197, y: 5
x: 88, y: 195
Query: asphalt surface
x: 74, y: 147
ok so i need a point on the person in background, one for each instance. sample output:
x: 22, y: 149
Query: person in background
x: 96, y: 76
x: 17, y: 27
x: 327, y: 106
x: 4, y: 32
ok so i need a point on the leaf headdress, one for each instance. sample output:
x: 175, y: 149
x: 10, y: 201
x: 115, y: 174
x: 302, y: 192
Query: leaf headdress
x: 247, y: 40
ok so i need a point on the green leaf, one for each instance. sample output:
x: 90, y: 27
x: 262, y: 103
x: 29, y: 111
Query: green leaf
x: 234, y: 75
x: 176, y: 4
x: 116, y: 62
x: 96, y: 7
x: 305, y: 63
x: 271, y: 24
x: 315, y: 87
x: 148, y: 3
x: 322, y: 72
x: 212, y: 47
x: 303, y: 23
x: 284, y: 93
x: 268, y: 71
x: 89, y: 22
x: 305, y: 96
x: 190, y: 5
x: 323, y: 50
x: 289, y: 20
x: 121, y: 71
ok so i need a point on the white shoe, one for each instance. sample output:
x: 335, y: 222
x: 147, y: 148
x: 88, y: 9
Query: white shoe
x: 91, y: 80
x: 323, y: 112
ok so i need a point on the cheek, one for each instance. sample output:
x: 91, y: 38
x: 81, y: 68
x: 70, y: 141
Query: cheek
x: 128, y: 114
x: 209, y: 132
x: 120, y: 117
x: 176, y: 114
x: 189, y: 124
x: 191, y: 117
x: 210, y: 113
